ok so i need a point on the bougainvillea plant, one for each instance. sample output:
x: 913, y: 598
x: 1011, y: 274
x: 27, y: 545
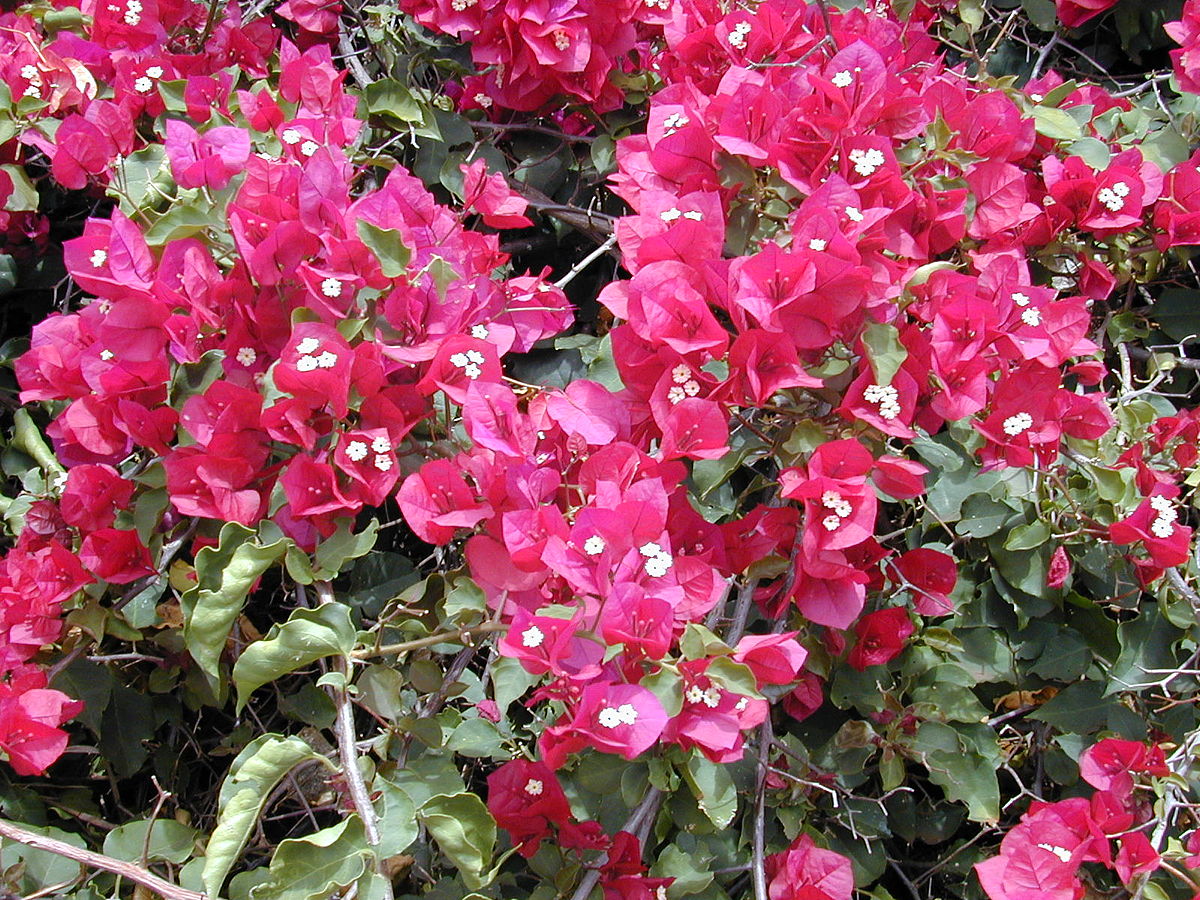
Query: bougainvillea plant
x: 647, y: 449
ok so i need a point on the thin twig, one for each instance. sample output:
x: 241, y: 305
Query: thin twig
x: 92, y: 860
x: 587, y: 261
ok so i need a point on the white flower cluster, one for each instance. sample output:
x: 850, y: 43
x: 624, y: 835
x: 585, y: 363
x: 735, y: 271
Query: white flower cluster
x: 309, y: 358
x: 664, y: 5
x: 674, y: 122
x: 145, y: 84
x: 1114, y: 197
x: 460, y: 5
x: 1061, y: 852
x: 658, y: 561
x: 867, y: 161
x: 357, y: 451
x: 685, y: 385
x: 562, y: 40
x: 469, y: 362
x: 886, y: 397
x: 854, y: 214
x: 1018, y: 423
x: 1163, y: 525
x: 670, y: 215
x: 31, y: 74
x: 737, y: 37
x: 710, y: 698
x: 611, y: 717
x: 840, y: 509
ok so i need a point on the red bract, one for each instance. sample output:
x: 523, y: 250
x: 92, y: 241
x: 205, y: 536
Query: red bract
x: 625, y: 719
x: 773, y: 658
x: 525, y: 799
x: 1155, y: 524
x: 880, y: 636
x: 115, y: 555
x: 30, y: 716
x: 315, y: 367
x: 807, y: 872
x: 436, y: 502
x: 491, y: 196
x: 1074, y: 13
x: 930, y: 575
x: 207, y: 160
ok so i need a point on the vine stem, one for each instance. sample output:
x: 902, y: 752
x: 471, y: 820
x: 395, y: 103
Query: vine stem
x: 758, y: 868
x: 462, y: 635
x: 346, y: 738
x: 92, y: 860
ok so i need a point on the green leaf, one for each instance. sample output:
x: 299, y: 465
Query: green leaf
x: 885, y: 352
x: 135, y: 176
x: 314, y: 866
x: 342, y: 546
x: 510, y: 681
x: 962, y: 761
x: 734, y: 677
x: 387, y: 246
x: 1027, y: 537
x: 1056, y: 124
x: 1080, y: 708
x: 397, y: 820
x: 307, y: 635
x: 254, y: 774
x: 465, y: 832
x: 224, y: 575
x: 168, y: 840
x: 713, y: 788
x: 392, y: 98
x: 24, y: 196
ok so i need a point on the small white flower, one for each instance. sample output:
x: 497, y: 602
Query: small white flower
x: 381, y: 444
x: 712, y: 698
x: 680, y: 374
x: 627, y: 713
x: 650, y: 548
x: 737, y: 37
x: 460, y: 5
x: 854, y: 214
x: 1020, y: 299
x: 741, y: 704
x: 1161, y: 504
x: 1031, y: 316
x: 609, y: 717
x: 483, y: 99
x: 106, y: 355
x: 658, y: 566
x: 1018, y: 423
x: 246, y: 356
x: 676, y: 395
x: 327, y: 360
x: 143, y: 85
x: 382, y: 462
x: 867, y: 161
x: 533, y: 787
x: 694, y: 215
x: 842, y: 79
x: 594, y: 545
x: 308, y: 345
x: 694, y: 694
x: 154, y: 71
x: 356, y: 450
x: 673, y: 123
x: 291, y: 136
x: 670, y: 215
x: 1120, y: 188
x: 832, y: 523
x: 331, y: 287
x: 830, y: 499
x: 308, y: 148
x: 691, y: 387
x: 886, y: 397
x: 532, y: 637
x: 472, y: 371
x: 99, y: 258
x: 30, y: 72
x: 1111, y: 198
x: 459, y: 359
x: 1162, y: 529
x: 475, y: 356
x: 817, y: 244
x: 306, y: 364
x: 479, y: 331
x: 562, y: 40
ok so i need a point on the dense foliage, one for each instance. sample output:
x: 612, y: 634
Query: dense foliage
x: 649, y: 448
